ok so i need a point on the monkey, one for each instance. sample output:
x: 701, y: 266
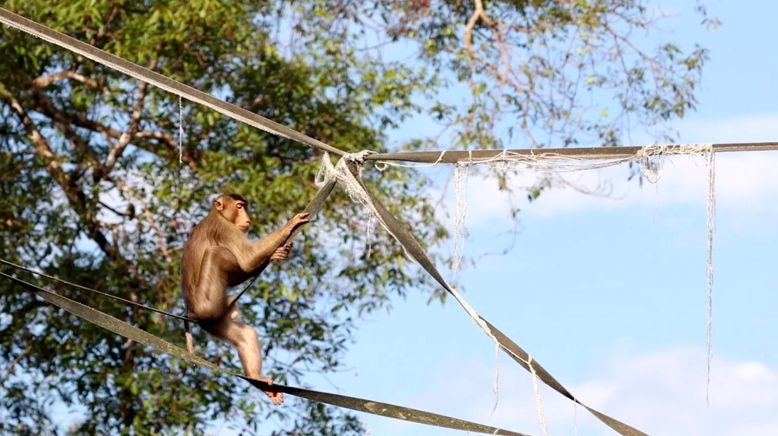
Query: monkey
x: 218, y: 255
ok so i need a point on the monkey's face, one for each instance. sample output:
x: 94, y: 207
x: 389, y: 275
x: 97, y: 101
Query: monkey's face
x: 235, y: 212
x: 242, y: 219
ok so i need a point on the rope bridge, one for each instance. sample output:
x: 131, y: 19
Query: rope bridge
x: 347, y: 173
x: 128, y: 331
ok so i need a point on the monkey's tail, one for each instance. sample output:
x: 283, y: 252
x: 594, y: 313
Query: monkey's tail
x: 189, y: 338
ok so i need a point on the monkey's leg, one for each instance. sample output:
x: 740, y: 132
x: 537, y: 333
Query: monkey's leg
x: 189, y: 338
x: 244, y: 338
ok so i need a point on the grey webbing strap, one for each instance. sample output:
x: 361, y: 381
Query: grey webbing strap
x: 522, y: 357
x: 312, y: 209
x: 172, y: 86
x: 454, y: 156
x: 128, y: 331
x: 416, y: 251
x: 95, y: 291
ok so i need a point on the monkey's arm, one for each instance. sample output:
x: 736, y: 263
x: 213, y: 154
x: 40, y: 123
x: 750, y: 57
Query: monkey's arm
x: 251, y: 256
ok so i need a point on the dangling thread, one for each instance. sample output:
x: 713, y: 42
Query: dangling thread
x: 538, y: 398
x: 349, y: 182
x: 496, y: 386
x: 369, y: 234
x: 575, y: 418
x: 711, y: 223
x: 190, y: 345
x: 461, y: 176
x: 180, y: 131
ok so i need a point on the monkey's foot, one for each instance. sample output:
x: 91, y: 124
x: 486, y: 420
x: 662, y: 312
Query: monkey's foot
x: 276, y: 397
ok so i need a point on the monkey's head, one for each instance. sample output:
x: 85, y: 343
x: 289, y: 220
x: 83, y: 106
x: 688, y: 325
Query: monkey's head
x: 233, y: 208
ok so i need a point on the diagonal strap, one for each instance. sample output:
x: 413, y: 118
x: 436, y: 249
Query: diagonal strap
x: 128, y: 331
x: 312, y: 209
x: 146, y: 75
x: 415, y: 250
x: 522, y: 357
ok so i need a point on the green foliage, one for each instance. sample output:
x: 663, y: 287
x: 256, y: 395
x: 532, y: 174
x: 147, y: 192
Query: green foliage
x: 86, y: 205
x: 120, y: 226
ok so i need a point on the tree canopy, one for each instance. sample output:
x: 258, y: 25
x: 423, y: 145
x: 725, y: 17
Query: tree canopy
x: 100, y: 188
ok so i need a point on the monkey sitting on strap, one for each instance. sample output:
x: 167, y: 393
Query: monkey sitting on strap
x: 218, y: 255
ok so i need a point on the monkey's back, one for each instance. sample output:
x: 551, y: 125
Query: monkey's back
x: 192, y: 260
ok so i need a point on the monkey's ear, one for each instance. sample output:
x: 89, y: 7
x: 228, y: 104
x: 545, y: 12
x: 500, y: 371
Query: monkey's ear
x: 218, y: 204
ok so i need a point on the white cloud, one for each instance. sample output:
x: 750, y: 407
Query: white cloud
x: 660, y: 393
x: 744, y: 128
x: 665, y: 392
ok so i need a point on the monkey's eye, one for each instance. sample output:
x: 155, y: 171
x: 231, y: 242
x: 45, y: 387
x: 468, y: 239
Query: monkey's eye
x: 240, y: 205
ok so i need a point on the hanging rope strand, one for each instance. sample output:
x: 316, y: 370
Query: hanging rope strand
x: 711, y: 221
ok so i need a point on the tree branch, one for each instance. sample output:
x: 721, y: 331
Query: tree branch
x: 63, y: 124
x: 126, y: 137
x: 76, y: 197
x: 478, y: 14
x: 161, y: 242
x: 82, y: 121
x: 42, y: 148
x: 44, y: 81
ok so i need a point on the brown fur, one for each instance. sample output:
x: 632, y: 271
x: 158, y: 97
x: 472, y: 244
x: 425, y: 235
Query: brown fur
x: 218, y: 256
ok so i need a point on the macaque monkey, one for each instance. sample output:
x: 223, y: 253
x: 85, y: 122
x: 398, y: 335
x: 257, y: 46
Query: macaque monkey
x: 217, y: 256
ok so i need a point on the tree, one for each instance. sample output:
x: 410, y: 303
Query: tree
x: 93, y: 190
x: 543, y: 67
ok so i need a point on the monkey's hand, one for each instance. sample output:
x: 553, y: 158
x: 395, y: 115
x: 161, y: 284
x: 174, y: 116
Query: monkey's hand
x: 298, y: 220
x: 282, y: 252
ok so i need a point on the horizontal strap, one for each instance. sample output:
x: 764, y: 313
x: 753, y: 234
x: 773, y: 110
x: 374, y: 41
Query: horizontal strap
x: 481, y: 155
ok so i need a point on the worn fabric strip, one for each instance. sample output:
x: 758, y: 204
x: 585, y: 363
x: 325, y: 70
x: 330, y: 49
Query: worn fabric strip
x: 146, y: 75
x: 474, y: 156
x: 128, y: 331
x: 519, y: 355
x: 415, y: 250
x: 94, y: 291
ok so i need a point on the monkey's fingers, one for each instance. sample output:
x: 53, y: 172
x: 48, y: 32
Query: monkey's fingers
x: 302, y: 218
x: 281, y: 253
x: 276, y: 398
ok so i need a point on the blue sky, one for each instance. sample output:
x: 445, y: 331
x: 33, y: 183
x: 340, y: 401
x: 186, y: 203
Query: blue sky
x: 609, y: 294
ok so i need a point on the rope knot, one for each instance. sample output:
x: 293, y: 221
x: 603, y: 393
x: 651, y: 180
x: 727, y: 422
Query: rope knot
x: 358, y: 157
